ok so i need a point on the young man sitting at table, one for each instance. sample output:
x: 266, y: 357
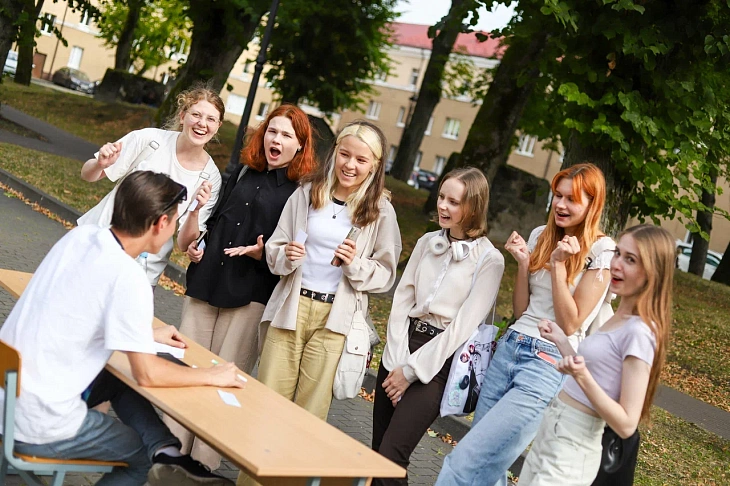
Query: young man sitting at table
x: 90, y: 298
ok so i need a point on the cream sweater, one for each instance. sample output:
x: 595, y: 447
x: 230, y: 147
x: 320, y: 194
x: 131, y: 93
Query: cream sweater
x: 447, y: 304
x: 372, y: 270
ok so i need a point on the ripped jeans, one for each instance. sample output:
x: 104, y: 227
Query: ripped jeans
x: 517, y: 389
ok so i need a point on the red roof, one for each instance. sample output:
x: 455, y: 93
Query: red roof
x: 416, y: 35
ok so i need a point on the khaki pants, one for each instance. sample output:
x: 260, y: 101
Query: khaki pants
x: 232, y: 334
x: 300, y: 365
x: 567, y: 449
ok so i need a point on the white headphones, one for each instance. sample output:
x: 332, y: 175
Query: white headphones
x: 439, y: 244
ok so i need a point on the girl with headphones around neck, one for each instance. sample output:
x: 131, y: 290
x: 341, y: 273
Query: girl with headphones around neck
x: 435, y: 310
x: 562, y: 275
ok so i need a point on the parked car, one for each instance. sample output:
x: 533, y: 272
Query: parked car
x: 684, y: 251
x: 11, y: 63
x: 74, y: 79
x: 423, y: 179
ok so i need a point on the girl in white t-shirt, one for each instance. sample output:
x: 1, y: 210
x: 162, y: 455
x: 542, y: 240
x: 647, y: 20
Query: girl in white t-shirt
x: 180, y: 154
x: 562, y: 275
x: 613, y: 377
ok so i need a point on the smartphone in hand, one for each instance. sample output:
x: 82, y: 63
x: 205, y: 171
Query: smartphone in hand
x: 337, y: 261
x: 200, y: 242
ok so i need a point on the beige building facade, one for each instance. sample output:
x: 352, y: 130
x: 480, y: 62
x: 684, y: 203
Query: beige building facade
x: 389, y: 107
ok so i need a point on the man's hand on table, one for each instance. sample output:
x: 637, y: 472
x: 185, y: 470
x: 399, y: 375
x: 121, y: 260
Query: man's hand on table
x: 169, y: 335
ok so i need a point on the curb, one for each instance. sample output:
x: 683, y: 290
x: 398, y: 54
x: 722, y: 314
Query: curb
x: 174, y: 272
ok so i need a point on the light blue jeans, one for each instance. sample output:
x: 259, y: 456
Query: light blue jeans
x: 517, y: 389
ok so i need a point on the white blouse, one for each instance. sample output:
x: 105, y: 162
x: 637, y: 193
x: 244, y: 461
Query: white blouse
x: 540, y: 305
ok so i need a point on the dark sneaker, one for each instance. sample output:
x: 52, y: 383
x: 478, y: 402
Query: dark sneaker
x: 182, y: 471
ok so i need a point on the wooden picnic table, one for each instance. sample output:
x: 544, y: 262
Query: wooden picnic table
x: 273, y: 440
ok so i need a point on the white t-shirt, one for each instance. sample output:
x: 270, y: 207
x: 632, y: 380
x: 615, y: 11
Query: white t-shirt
x: 540, y: 305
x: 87, y: 299
x: 163, y: 160
x: 324, y: 235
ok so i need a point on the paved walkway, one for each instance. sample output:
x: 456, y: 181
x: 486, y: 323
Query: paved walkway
x: 26, y: 237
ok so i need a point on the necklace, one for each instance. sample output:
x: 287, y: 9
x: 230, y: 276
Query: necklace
x: 337, y: 202
x: 454, y: 238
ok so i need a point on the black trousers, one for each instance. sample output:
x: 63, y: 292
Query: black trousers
x: 397, y: 430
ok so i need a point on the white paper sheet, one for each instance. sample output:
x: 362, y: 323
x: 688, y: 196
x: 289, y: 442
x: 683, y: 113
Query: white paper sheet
x: 229, y: 398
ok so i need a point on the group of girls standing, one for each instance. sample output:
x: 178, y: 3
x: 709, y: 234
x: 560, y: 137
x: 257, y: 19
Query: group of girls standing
x: 287, y: 252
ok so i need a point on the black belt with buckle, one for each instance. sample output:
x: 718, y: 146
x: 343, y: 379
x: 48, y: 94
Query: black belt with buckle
x: 326, y: 298
x: 424, y: 327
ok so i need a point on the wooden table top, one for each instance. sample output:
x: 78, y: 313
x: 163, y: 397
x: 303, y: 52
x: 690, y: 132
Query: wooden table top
x: 268, y: 435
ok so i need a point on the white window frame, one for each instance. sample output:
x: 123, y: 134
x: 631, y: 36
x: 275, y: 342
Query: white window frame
x: 439, y: 164
x: 373, y: 112
x: 417, y: 163
x: 48, y: 21
x: 85, y: 18
x: 74, y: 58
x: 235, y: 104
x: 413, y: 81
x: 263, y: 107
x: 526, y: 145
x: 381, y: 76
x: 451, y: 129
x: 391, y: 153
x: 429, y: 127
x: 401, y: 121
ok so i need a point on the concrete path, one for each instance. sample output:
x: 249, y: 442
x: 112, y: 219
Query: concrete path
x: 59, y: 142
x: 26, y: 237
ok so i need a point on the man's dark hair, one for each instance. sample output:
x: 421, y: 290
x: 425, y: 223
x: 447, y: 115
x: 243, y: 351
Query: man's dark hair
x: 141, y: 199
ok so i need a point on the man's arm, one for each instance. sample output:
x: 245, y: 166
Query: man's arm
x: 153, y: 371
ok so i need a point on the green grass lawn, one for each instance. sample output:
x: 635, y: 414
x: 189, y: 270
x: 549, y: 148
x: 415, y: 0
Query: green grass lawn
x: 673, y: 452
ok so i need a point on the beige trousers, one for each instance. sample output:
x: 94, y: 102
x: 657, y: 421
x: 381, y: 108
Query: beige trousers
x: 566, y: 450
x: 300, y: 365
x: 232, y: 334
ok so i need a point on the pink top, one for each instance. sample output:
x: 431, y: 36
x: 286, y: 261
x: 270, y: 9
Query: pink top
x: 605, y: 353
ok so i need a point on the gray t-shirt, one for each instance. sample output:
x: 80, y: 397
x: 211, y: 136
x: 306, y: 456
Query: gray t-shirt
x: 605, y: 353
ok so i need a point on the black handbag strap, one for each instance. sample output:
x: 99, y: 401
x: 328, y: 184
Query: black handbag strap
x: 223, y: 196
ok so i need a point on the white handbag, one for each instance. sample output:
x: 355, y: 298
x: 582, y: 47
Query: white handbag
x: 354, y: 360
x: 101, y: 214
x: 470, y: 362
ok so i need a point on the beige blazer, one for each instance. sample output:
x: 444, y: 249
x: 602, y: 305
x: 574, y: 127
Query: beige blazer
x: 372, y: 269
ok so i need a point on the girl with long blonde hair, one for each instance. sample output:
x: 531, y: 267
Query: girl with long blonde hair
x: 614, y: 374
x: 562, y: 275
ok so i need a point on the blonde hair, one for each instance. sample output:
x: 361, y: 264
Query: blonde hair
x: 654, y: 302
x: 475, y: 201
x: 585, y: 177
x: 365, y: 201
x: 186, y: 99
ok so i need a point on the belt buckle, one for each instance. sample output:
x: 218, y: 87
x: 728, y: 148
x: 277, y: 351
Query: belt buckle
x: 324, y: 297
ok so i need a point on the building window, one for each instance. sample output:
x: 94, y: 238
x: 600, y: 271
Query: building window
x: 381, y: 76
x: 74, y: 60
x: 373, y: 110
x: 429, y: 127
x: 263, y: 111
x: 417, y: 164
x: 401, y: 122
x: 47, y: 22
x: 438, y: 167
x: 235, y: 104
x: 526, y: 145
x: 391, y: 153
x: 414, y: 77
x: 85, y: 19
x: 451, y: 128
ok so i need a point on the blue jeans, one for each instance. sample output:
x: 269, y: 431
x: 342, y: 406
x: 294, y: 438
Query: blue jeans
x: 517, y: 389
x: 133, y: 440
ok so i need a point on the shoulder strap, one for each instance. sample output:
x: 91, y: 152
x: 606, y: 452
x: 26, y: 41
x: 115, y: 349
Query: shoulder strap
x: 142, y: 156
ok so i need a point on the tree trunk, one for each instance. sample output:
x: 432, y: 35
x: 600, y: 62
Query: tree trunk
x: 722, y: 273
x: 704, y: 221
x: 26, y: 42
x: 220, y: 34
x: 433, y: 194
x: 618, y: 188
x: 9, y: 13
x: 430, y: 93
x: 490, y: 138
x: 123, y: 55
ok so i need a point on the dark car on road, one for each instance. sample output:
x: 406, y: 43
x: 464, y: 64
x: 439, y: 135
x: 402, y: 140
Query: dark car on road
x: 74, y: 79
x: 423, y: 179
